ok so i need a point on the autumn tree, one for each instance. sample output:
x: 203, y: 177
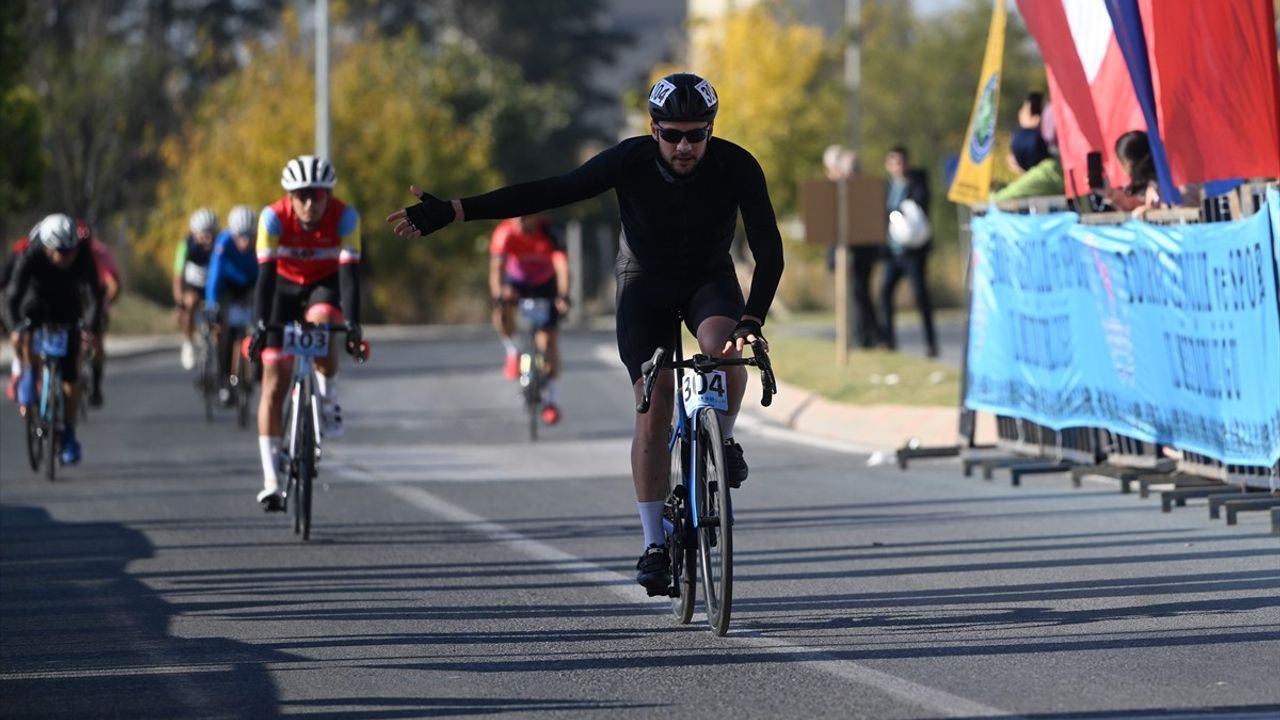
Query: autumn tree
x: 22, y: 165
x: 781, y: 93
x: 401, y: 114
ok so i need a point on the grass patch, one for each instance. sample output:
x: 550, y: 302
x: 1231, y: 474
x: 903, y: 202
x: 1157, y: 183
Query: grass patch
x: 136, y: 315
x: 873, y: 377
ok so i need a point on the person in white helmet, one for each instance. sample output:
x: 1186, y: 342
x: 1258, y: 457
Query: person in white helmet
x: 233, y: 273
x: 191, y: 274
x: 53, y: 280
x: 308, y: 269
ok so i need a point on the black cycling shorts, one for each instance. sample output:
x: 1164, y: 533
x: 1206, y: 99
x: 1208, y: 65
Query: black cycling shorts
x: 647, y: 306
x: 292, y: 300
x: 545, y: 290
x: 62, y: 312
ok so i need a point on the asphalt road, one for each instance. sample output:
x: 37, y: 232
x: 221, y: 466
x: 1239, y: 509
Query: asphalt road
x: 458, y: 570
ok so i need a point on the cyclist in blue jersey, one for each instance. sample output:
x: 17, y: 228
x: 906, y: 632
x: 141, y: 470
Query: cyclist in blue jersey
x: 680, y: 192
x: 233, y: 273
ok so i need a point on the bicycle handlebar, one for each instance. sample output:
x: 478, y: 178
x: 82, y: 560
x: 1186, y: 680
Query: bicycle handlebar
x: 360, y: 352
x: 703, y: 364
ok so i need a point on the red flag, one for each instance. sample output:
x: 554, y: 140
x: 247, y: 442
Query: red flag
x: 1217, y: 86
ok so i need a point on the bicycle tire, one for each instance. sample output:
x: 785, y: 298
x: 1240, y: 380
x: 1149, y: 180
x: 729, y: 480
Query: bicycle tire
x: 35, y: 438
x: 208, y: 382
x: 85, y: 384
x: 715, y: 527
x: 532, y: 394
x: 684, y: 555
x: 292, y: 494
x: 54, y: 410
x: 306, y: 463
x: 243, y: 388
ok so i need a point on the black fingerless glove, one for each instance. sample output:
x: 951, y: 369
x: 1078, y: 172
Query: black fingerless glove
x: 431, y: 214
x: 744, y: 328
x: 354, y: 337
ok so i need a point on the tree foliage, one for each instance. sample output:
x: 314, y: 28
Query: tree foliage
x: 781, y: 94
x: 22, y: 165
x: 401, y: 114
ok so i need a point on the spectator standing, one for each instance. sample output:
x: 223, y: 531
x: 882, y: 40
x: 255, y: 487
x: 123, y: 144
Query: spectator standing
x: 907, y: 186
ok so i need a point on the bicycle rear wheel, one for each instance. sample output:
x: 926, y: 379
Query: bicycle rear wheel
x: 684, y: 555
x: 53, y: 417
x: 715, y: 523
x: 208, y: 380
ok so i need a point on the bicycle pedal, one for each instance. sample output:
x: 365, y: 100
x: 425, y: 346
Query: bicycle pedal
x: 659, y: 592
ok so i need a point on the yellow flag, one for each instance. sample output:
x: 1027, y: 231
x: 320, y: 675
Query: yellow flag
x: 972, y: 183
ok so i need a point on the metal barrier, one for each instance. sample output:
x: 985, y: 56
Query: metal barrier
x: 1024, y: 447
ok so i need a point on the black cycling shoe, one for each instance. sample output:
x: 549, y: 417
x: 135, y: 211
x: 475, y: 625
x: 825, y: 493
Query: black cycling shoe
x: 95, y: 398
x: 653, y: 571
x: 735, y: 469
x: 271, y: 502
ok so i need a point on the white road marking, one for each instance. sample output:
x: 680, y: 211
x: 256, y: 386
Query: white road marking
x: 930, y: 699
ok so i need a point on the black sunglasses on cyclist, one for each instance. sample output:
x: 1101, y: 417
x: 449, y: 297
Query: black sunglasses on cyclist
x: 694, y: 136
x: 311, y: 194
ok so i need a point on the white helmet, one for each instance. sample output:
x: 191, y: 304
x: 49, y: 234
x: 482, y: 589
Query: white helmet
x: 204, y: 220
x: 57, y: 232
x: 242, y: 220
x: 308, y: 171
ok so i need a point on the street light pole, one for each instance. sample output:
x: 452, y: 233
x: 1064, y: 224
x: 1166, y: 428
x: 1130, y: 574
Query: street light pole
x: 322, y: 78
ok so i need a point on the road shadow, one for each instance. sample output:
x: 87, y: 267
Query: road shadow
x: 81, y: 638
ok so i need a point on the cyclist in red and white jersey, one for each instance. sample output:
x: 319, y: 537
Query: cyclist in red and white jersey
x: 308, y: 268
x: 527, y: 260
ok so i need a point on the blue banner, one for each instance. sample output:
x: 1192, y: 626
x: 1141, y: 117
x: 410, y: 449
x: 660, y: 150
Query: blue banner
x: 1169, y: 334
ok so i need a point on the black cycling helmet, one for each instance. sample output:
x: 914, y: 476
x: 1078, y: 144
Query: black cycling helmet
x: 683, y: 97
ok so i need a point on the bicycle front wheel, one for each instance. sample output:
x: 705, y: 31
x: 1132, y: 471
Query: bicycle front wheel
x: 306, y: 467
x: 243, y: 390
x: 532, y: 392
x: 208, y: 381
x: 52, y: 420
x: 35, y: 437
x: 684, y: 554
x: 715, y: 523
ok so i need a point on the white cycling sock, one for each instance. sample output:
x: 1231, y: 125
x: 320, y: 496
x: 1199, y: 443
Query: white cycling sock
x: 551, y: 391
x: 509, y: 345
x: 726, y: 424
x: 651, y: 520
x: 327, y: 387
x: 15, y: 366
x: 268, y: 447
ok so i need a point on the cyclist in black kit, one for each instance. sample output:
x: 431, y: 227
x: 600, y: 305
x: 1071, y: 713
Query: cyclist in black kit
x: 679, y: 194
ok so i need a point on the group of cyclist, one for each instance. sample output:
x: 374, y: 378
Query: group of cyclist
x: 680, y: 192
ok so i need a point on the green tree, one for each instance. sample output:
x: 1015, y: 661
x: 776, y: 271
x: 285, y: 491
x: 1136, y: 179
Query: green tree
x: 432, y: 126
x: 782, y: 95
x: 22, y: 165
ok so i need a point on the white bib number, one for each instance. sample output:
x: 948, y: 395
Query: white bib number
x: 309, y: 342
x: 195, y: 274
x: 699, y: 391
x: 53, y: 344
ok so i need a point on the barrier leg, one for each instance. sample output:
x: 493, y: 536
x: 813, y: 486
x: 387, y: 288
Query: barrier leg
x: 1040, y: 468
x: 1216, y: 501
x: 1235, y: 507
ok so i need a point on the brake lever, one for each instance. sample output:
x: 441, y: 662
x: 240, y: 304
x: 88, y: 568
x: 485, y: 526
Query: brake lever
x: 649, y: 370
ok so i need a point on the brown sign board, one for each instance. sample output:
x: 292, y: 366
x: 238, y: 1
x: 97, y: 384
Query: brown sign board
x: 865, y: 204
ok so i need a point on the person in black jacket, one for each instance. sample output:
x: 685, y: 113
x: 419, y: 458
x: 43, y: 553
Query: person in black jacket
x: 901, y: 259
x: 680, y: 192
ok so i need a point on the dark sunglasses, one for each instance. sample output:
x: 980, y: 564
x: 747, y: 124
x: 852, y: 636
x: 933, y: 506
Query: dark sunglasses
x: 309, y: 194
x: 674, y: 136
x: 67, y: 250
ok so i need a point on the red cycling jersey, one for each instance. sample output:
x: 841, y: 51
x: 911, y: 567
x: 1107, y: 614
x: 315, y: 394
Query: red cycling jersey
x: 528, y: 257
x: 303, y: 256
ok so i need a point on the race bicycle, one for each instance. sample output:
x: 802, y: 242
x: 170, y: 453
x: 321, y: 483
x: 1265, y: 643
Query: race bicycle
x: 535, y: 312
x: 239, y: 316
x: 46, y: 416
x: 698, y: 512
x: 301, y: 446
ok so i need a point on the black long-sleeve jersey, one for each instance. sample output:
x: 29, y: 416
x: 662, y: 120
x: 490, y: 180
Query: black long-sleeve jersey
x: 59, y: 288
x: 676, y: 227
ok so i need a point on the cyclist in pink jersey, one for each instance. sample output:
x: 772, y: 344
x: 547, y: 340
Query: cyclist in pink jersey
x: 527, y: 260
